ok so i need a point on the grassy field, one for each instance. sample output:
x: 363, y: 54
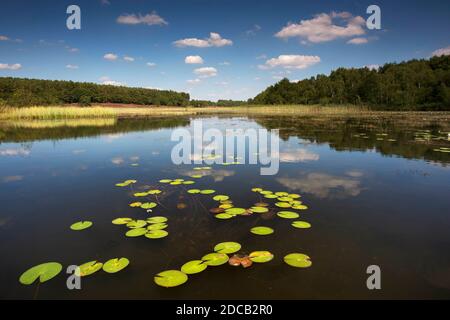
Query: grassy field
x: 100, y: 112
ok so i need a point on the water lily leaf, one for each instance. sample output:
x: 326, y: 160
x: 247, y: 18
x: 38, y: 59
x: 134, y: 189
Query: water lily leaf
x: 224, y: 216
x: 140, y: 194
x: 148, y: 205
x: 178, y: 180
x: 266, y: 192
x: 207, y: 191
x: 156, y: 234
x: 89, y: 268
x: 136, y: 224
x: 301, y: 224
x: 165, y: 180
x: 221, y: 198
x: 119, y: 221
x: 115, y: 265
x: 294, y: 195
x: 130, y: 181
x: 300, y: 207
x: 157, y: 226
x: 298, y: 260
x: 288, y: 214
x: 261, y: 204
x: 193, y: 191
x: 194, y: 266
x: 227, y: 247
x: 215, y: 259
x: 283, y: 205
x: 43, y: 272
x: 285, y: 199
x: 281, y: 194
x: 235, y: 211
x: 157, y: 219
x: 81, y: 225
x: 261, y: 256
x: 188, y: 182
x: 270, y: 196
x: 136, y: 232
x: 226, y: 206
x: 122, y: 184
x: 259, y: 209
x: 216, y: 210
x: 257, y: 189
x: 170, y: 278
x: 261, y: 231
x: 175, y: 183
x: 155, y: 191
x: 196, y: 176
x: 135, y: 204
x: 181, y: 205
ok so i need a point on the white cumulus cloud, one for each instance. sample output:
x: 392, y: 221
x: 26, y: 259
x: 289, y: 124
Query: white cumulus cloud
x: 291, y: 61
x: 110, y: 56
x: 106, y: 80
x: 214, y: 40
x: 322, y: 27
x: 441, y: 52
x: 193, y: 60
x: 15, y: 66
x: 128, y: 59
x: 206, y: 72
x: 149, y: 19
x: 360, y: 40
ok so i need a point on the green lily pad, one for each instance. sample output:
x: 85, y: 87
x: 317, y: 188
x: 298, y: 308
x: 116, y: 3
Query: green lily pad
x: 257, y: 189
x: 170, y: 278
x: 89, y: 268
x: 188, y: 182
x: 281, y: 194
x: 194, y: 266
x: 224, y: 216
x: 294, y: 195
x: 288, y: 215
x: 262, y: 231
x: 298, y: 260
x: 148, y: 205
x: 175, y: 183
x: 156, y: 234
x: 266, y: 192
x: 135, y: 204
x: 215, y: 259
x: 196, y: 176
x: 157, y: 226
x: 227, y: 247
x: 130, y: 181
x: 300, y: 207
x: 115, y: 265
x: 259, y: 209
x: 235, y: 211
x: 165, y: 180
x: 283, y: 205
x: 81, y: 225
x: 155, y: 191
x: 261, y: 256
x: 136, y: 232
x: 140, y: 194
x: 285, y: 199
x: 157, y: 219
x: 301, y: 224
x: 193, y: 191
x: 221, y: 198
x: 43, y: 272
x: 270, y: 196
x: 136, y: 224
x: 207, y: 191
x: 119, y: 221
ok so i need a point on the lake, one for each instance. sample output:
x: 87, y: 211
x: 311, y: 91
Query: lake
x: 377, y: 192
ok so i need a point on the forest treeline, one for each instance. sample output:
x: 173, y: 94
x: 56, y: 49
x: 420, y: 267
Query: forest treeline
x: 20, y: 92
x: 410, y: 85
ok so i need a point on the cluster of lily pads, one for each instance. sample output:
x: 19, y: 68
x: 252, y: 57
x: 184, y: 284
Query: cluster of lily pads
x: 151, y: 228
x: 126, y: 183
x: 176, y: 182
x: 47, y: 271
x: 173, y: 278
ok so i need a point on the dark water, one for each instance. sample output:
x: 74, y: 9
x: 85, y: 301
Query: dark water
x: 371, y: 202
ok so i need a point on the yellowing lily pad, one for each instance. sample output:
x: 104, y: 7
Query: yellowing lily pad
x: 221, y: 198
x: 259, y: 209
x: 135, y: 204
x: 194, y: 266
x: 283, y: 205
x: 261, y: 256
x: 136, y: 232
x: 165, y: 180
x: 170, y: 278
x: 227, y: 247
x: 298, y: 260
x: 261, y: 231
x: 156, y: 234
x: 288, y: 215
x: 119, y: 221
x: 300, y: 207
x: 270, y: 196
x: 226, y: 206
x: 89, y: 268
x: 266, y: 192
x: 140, y: 194
x: 281, y: 194
x: 196, y: 176
x: 301, y: 224
x: 155, y: 191
x: 193, y: 191
x: 215, y: 259
x: 257, y: 189
x: 81, y: 225
x: 207, y: 191
x: 115, y: 265
x: 43, y: 272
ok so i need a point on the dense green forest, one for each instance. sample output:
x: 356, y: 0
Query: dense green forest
x: 28, y: 92
x: 219, y: 103
x: 411, y: 85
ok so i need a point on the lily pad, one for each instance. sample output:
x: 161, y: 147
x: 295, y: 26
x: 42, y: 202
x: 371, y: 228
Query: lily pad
x: 140, y: 194
x: 221, y: 198
x: 298, y: 260
x: 115, y: 265
x: 261, y: 256
x: 288, y: 215
x: 283, y: 205
x: 157, y: 219
x: 193, y: 191
x: 300, y: 207
x: 188, y: 182
x: 285, y: 199
x: 43, y: 272
x: 259, y: 209
x: 235, y: 211
x: 165, y: 180
x: 226, y: 206
x: 156, y: 234
x: 170, y: 278
x: 224, y: 216
x: 261, y: 204
x: 194, y: 266
x: 215, y: 259
x: 157, y: 226
x: 148, y: 205
x: 216, y: 210
x: 207, y: 191
x: 266, y: 192
x: 136, y: 224
x: 257, y: 189
x: 294, y: 195
x: 136, y: 232
x: 227, y: 247
x: 281, y: 194
x: 119, y: 221
x: 154, y: 191
x: 270, y: 196
x: 175, y: 183
x: 135, y: 204
x: 301, y: 224
x: 81, y: 225
x: 262, y: 231
x: 89, y: 268
x: 196, y: 176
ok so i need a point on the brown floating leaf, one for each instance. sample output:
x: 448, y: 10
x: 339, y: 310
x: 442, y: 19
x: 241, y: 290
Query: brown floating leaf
x: 261, y: 204
x: 240, y: 260
x: 216, y: 210
x: 181, y: 206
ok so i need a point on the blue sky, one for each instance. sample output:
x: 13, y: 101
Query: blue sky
x: 250, y: 48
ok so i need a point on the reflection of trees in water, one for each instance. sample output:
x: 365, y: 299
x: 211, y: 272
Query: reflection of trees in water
x: 344, y: 134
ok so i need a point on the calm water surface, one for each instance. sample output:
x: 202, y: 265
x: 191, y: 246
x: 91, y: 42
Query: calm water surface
x: 377, y: 193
